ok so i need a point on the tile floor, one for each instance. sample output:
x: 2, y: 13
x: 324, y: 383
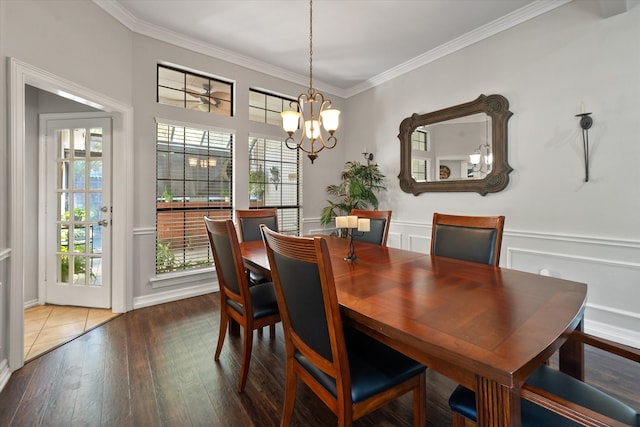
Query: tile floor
x: 48, y: 326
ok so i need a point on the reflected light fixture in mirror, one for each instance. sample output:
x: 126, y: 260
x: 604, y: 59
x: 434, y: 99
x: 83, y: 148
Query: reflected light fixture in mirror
x: 482, y: 157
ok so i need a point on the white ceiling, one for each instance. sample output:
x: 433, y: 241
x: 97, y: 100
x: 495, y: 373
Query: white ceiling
x: 356, y: 43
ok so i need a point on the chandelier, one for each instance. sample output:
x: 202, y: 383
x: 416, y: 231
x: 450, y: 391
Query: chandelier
x: 313, y: 111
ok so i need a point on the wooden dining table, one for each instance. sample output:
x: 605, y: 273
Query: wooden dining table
x: 487, y: 328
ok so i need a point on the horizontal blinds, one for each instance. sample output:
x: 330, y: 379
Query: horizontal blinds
x: 193, y: 180
x: 275, y: 181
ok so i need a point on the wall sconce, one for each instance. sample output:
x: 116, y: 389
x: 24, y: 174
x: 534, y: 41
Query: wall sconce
x: 367, y: 156
x: 352, y: 222
x: 585, y: 124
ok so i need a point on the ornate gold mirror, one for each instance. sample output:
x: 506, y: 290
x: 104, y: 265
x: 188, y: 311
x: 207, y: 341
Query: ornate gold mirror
x: 460, y: 148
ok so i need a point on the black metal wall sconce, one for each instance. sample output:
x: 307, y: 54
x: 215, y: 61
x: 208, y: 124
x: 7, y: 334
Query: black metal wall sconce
x: 585, y: 123
x: 368, y: 157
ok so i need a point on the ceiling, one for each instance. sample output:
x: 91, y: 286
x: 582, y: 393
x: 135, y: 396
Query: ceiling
x: 357, y: 44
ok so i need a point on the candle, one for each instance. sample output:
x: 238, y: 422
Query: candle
x: 341, y: 222
x: 352, y: 221
x: 582, y: 110
x: 364, y: 224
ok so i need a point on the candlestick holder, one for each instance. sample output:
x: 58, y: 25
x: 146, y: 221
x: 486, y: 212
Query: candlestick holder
x: 352, y: 223
x: 351, y: 256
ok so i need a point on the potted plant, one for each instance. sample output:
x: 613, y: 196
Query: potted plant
x: 357, y: 190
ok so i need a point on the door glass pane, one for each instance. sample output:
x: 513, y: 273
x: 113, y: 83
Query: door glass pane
x: 79, y: 174
x: 95, y: 142
x: 79, y: 142
x: 95, y: 204
x: 79, y: 207
x: 95, y: 272
x: 95, y: 174
x: 63, y: 206
x: 96, y: 239
x: 64, y: 140
x: 63, y: 175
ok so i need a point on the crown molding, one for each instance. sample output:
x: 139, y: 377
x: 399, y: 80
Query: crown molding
x: 138, y: 26
x: 506, y: 22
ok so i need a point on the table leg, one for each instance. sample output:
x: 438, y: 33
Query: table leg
x: 497, y: 405
x: 571, y: 356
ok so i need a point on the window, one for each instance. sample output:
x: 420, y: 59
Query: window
x: 266, y: 108
x: 193, y: 179
x: 420, y: 164
x: 193, y: 91
x: 420, y: 140
x: 275, y: 180
x: 420, y: 169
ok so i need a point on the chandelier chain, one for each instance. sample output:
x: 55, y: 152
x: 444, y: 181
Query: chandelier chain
x: 310, y: 47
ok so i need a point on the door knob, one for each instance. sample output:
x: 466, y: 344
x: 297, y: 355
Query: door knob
x: 103, y: 222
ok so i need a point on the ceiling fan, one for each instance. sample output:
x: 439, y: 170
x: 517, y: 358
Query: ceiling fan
x: 204, y: 99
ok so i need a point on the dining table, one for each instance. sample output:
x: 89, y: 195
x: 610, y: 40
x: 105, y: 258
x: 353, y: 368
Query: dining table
x: 487, y: 328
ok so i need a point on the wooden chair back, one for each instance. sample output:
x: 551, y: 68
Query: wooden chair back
x: 316, y: 341
x: 470, y: 238
x: 249, y: 221
x: 379, y: 230
x: 252, y: 308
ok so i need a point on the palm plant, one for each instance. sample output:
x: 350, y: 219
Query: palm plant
x: 357, y: 190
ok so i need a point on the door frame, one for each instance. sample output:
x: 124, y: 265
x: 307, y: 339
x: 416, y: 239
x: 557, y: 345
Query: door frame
x: 21, y: 74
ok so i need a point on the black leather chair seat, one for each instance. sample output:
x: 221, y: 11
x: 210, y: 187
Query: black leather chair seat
x: 374, y: 367
x: 463, y: 401
x: 256, y: 279
x: 263, y: 298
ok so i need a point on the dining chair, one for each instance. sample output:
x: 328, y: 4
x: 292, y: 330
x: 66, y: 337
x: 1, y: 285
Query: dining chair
x: 379, y: 226
x: 469, y: 238
x: 352, y: 373
x: 249, y: 221
x: 552, y: 398
x: 251, y: 307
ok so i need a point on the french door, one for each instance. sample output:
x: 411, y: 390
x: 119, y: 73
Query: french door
x: 77, y: 193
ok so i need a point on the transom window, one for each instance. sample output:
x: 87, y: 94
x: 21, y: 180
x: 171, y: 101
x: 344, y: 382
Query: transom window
x: 193, y: 179
x: 266, y: 108
x: 275, y: 181
x: 194, y: 91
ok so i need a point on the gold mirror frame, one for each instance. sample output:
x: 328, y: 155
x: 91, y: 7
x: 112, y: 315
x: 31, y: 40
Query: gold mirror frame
x: 494, y: 106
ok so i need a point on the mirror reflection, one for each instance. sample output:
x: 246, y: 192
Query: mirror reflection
x: 459, y: 148
x: 452, y: 149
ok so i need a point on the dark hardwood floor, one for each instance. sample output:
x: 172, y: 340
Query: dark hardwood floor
x: 155, y: 367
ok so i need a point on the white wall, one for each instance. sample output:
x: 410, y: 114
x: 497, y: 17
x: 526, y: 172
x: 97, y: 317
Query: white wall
x: 589, y: 232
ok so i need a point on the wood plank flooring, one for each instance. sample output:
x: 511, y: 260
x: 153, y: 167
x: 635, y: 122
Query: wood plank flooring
x: 155, y: 367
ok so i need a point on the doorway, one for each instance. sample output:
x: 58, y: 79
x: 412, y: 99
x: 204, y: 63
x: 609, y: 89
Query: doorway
x: 20, y: 75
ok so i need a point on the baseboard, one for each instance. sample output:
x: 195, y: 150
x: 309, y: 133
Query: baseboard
x: 614, y: 333
x: 5, y: 373
x: 174, y: 295
x: 31, y: 303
